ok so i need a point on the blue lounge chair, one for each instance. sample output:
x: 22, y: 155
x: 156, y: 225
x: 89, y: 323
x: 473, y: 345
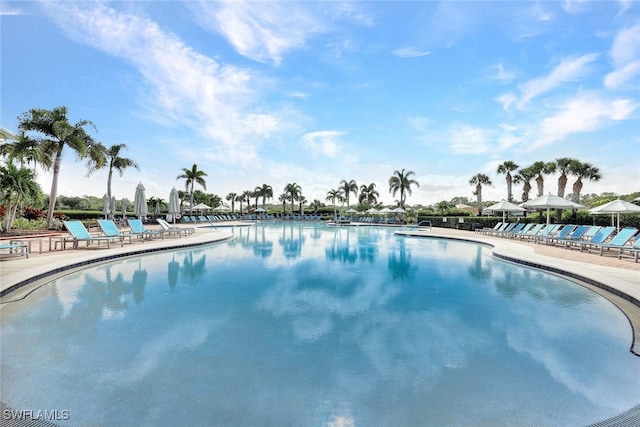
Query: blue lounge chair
x: 15, y: 248
x: 618, y: 242
x: 531, y: 232
x: 632, y: 251
x: 137, y: 227
x: 599, y: 238
x: 79, y: 233
x: 574, y: 236
x: 561, y: 234
x: 110, y: 229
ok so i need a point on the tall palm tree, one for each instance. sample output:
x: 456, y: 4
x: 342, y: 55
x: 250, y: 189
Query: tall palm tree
x: 368, y: 194
x: 479, y: 180
x: 402, y: 181
x: 192, y: 176
x: 231, y: 197
x: 266, y: 192
x: 17, y: 185
x: 110, y: 157
x: 562, y: 166
x: 301, y: 201
x: 334, y: 195
x: 57, y: 133
x: 582, y: 171
x: 292, y: 190
x: 247, y: 195
x: 315, y: 205
x: 283, y: 199
x: 540, y: 168
x: 348, y: 187
x: 524, y: 176
x: 240, y: 199
x: 506, y: 168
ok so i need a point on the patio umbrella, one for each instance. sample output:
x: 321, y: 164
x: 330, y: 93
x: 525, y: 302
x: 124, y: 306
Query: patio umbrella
x: 201, y: 207
x: 351, y: 210
x: 372, y: 211
x: 221, y: 208
x: 549, y: 202
x: 106, y: 206
x: 157, y: 209
x: 123, y: 206
x: 174, y: 204
x: 260, y: 210
x: 112, y: 207
x: 504, y: 207
x: 140, y: 202
x: 616, y: 207
x: 399, y: 210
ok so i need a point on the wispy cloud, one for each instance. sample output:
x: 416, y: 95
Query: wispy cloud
x: 625, y: 55
x: 569, y: 69
x: 262, y: 31
x: 324, y: 143
x: 185, y: 88
x: 410, y: 52
x: 585, y: 113
x: 469, y: 140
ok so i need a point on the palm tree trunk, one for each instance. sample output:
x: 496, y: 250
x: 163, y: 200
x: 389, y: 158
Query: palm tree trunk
x: 540, y: 183
x: 54, y: 187
x: 479, y: 194
x: 562, y: 185
x: 509, y: 188
x: 112, y: 215
x: 577, y: 188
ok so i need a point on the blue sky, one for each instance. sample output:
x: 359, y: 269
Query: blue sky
x: 316, y: 92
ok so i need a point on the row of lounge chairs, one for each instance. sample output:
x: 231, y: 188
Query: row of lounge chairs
x: 624, y: 243
x: 110, y: 233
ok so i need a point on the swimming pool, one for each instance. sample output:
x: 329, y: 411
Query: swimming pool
x: 301, y: 324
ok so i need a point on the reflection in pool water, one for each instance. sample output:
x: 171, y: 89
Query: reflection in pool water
x: 294, y: 324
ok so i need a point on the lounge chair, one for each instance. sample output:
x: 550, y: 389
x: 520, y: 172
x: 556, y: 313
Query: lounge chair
x: 15, y: 248
x: 619, y: 242
x: 180, y: 231
x: 632, y: 251
x: 548, y: 231
x: 574, y: 236
x: 110, y: 229
x: 561, y: 234
x: 137, y: 227
x: 79, y: 233
x: 599, y: 238
x: 530, y: 232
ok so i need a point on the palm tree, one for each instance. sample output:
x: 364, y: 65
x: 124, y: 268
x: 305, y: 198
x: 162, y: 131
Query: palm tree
x: 111, y: 157
x: 292, y: 190
x: 562, y: 166
x: 524, y: 176
x: 231, y: 197
x: 539, y: 169
x: 348, y: 187
x: 401, y: 181
x: 479, y: 180
x: 240, y: 198
x: 506, y: 168
x: 266, y: 192
x: 192, y: 176
x: 368, y: 194
x: 16, y: 186
x: 57, y: 133
x: 315, y: 205
x: 332, y: 196
x: 283, y: 199
x: 582, y: 171
x: 301, y: 201
x: 24, y: 150
x: 247, y: 195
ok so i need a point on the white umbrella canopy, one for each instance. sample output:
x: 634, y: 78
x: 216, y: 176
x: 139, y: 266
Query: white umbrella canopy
x: 616, y: 207
x: 140, y: 202
x: 174, y: 204
x: 202, y: 207
x: 106, y: 206
x: 398, y: 210
x: 260, y: 210
x: 504, y: 207
x: 351, y: 210
x: 372, y: 211
x: 221, y: 208
x: 385, y: 210
x: 551, y: 201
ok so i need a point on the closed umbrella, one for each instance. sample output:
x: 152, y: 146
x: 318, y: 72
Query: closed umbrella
x: 549, y: 202
x: 112, y: 207
x: 616, y: 207
x: 140, y: 202
x: 123, y: 206
x: 157, y: 209
x: 106, y: 205
x: 504, y: 207
x: 174, y: 204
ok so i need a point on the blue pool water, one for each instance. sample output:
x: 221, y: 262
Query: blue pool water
x: 304, y: 325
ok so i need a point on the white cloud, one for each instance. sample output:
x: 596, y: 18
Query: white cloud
x: 569, y: 69
x: 625, y: 55
x: 503, y: 75
x: 469, y: 140
x: 324, y: 142
x: 262, y: 31
x: 410, y: 52
x: 185, y: 88
x: 585, y: 113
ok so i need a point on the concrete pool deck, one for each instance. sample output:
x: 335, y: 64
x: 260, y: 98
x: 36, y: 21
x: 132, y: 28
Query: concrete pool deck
x: 617, y: 280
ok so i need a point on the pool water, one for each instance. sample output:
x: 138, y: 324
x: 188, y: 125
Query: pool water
x: 305, y: 325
